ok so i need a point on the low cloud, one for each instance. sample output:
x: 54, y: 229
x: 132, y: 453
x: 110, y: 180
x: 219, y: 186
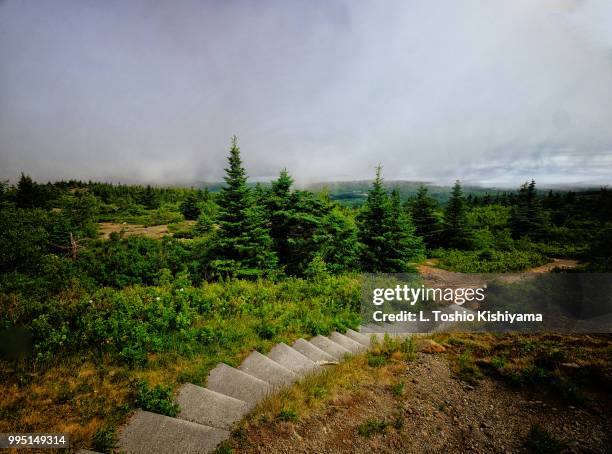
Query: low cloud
x: 494, y: 92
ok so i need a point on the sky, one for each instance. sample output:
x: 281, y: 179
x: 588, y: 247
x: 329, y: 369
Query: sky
x: 488, y: 91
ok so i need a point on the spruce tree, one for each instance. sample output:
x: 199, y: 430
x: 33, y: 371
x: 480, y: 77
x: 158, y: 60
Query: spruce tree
x: 456, y: 232
x: 373, y: 227
x: 426, y: 223
x: 243, y: 243
x: 27, y: 193
x: 149, y: 198
x: 527, y: 216
x: 296, y: 228
x: 402, y: 243
x: 190, y: 207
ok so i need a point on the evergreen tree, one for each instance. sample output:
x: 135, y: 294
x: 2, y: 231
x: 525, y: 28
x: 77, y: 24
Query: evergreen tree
x: 338, y: 241
x: 243, y: 243
x: 149, y: 198
x: 296, y: 223
x: 27, y: 194
x: 404, y: 246
x: 426, y: 223
x: 190, y: 208
x: 527, y: 216
x: 373, y: 227
x: 385, y: 232
x: 456, y: 232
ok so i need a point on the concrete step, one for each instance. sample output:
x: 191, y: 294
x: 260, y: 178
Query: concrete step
x: 265, y: 369
x: 237, y: 384
x: 351, y: 345
x: 329, y: 346
x: 371, y: 328
x: 209, y: 408
x: 147, y: 432
x: 314, y: 353
x: 293, y: 360
x: 359, y: 337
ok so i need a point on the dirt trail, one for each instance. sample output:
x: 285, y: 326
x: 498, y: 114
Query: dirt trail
x: 156, y: 231
x: 437, y: 413
x: 437, y: 277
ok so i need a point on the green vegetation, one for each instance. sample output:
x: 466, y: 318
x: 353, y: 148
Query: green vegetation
x: 238, y: 268
x: 158, y: 399
x: 564, y: 367
x: 386, y: 233
x: 372, y: 427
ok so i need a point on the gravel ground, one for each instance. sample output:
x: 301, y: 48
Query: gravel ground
x: 436, y: 413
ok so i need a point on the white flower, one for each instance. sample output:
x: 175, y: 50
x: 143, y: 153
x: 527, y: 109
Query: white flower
x: 158, y: 298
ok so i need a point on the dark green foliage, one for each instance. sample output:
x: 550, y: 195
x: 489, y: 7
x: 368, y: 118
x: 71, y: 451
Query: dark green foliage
x: 149, y: 198
x: 204, y: 224
x: 304, y: 227
x: 385, y: 232
x: 243, y: 245
x: 132, y: 260
x: 600, y: 250
x: 190, y: 207
x: 105, y: 439
x: 456, y: 233
x: 157, y: 400
x: 527, y: 218
x: 426, y: 222
x: 403, y: 245
x: 372, y: 228
x: 27, y: 195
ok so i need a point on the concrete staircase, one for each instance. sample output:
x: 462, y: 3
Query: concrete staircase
x: 207, y: 414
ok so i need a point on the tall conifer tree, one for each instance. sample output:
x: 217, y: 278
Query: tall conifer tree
x: 243, y: 245
x: 373, y: 227
x: 456, y: 231
x: 402, y: 243
x: 426, y: 223
x: 385, y: 232
x: 527, y: 216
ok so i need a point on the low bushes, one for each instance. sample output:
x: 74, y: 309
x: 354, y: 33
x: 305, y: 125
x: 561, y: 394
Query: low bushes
x: 489, y: 261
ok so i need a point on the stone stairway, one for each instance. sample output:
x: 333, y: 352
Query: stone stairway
x: 207, y: 414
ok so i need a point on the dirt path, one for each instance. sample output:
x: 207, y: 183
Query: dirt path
x: 437, y: 277
x: 156, y: 231
x: 436, y: 413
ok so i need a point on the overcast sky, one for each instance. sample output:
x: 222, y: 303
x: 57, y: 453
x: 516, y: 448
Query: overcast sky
x: 495, y: 91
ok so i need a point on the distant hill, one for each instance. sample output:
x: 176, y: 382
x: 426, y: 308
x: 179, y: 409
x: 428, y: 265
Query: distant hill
x: 355, y: 192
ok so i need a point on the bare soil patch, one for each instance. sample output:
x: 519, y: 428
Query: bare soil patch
x: 435, y: 412
x: 156, y: 231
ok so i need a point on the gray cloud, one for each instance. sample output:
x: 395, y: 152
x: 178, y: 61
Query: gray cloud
x: 494, y: 91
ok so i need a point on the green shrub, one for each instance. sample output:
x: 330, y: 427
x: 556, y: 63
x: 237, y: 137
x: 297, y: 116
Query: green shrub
x: 105, y: 439
x: 288, y: 415
x: 372, y: 427
x: 157, y: 400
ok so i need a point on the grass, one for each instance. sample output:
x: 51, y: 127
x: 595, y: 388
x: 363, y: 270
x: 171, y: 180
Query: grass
x: 372, y: 427
x: 89, y: 394
x: 398, y: 389
x: 573, y: 368
x: 289, y: 415
x: 335, y: 385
